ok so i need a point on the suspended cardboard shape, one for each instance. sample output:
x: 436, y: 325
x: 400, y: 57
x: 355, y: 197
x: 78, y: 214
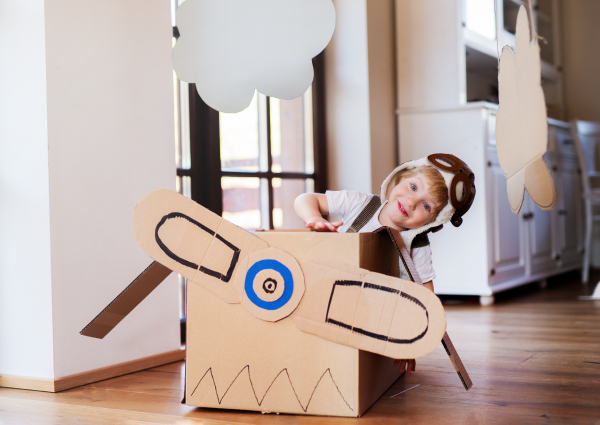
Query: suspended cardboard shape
x: 521, y: 123
x: 230, y: 48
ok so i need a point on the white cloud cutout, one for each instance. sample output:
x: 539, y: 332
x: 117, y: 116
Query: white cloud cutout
x: 521, y: 123
x: 230, y: 48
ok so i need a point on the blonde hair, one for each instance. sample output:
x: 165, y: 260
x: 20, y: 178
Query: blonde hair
x: 437, y: 189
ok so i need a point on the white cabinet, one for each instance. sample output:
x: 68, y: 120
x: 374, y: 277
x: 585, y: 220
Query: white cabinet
x: 495, y: 249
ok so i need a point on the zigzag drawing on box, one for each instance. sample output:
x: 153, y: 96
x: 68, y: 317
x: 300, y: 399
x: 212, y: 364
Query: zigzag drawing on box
x: 259, y: 402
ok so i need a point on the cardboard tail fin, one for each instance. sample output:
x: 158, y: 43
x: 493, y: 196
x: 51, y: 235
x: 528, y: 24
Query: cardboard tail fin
x: 126, y: 301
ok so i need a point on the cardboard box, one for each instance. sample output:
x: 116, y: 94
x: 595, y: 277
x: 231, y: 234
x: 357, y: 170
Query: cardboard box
x: 237, y: 361
x: 276, y: 321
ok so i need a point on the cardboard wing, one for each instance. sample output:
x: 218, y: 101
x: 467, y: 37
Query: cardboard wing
x: 337, y: 302
x: 521, y: 123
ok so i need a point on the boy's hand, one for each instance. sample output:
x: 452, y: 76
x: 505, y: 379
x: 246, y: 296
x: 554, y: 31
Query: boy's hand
x: 319, y: 224
x: 410, y: 364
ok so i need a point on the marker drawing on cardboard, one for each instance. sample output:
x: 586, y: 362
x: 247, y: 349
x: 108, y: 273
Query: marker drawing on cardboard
x: 521, y: 123
x: 283, y: 374
x: 230, y: 48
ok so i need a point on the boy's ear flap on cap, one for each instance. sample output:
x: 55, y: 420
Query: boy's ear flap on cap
x: 436, y: 228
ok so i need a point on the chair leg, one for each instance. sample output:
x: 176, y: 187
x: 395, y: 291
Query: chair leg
x: 588, y: 242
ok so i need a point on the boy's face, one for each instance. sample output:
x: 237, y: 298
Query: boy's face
x: 410, y: 205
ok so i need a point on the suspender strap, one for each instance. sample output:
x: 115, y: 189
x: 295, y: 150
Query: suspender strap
x: 365, y: 215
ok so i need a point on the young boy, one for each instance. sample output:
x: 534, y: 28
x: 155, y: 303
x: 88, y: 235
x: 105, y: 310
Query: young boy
x: 418, y: 197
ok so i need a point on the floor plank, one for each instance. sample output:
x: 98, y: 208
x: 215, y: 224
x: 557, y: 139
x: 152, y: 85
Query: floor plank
x: 534, y: 358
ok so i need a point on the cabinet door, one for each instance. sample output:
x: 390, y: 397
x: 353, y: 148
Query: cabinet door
x: 570, y: 221
x: 506, y: 235
x: 541, y: 237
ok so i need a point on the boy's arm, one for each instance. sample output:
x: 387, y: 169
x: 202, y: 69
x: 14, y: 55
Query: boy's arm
x: 311, y: 207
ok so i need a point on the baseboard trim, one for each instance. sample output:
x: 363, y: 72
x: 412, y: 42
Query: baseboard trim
x: 95, y: 375
x: 9, y: 381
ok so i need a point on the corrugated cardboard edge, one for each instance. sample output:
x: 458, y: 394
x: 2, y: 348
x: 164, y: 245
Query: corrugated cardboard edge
x: 457, y: 362
x: 126, y: 301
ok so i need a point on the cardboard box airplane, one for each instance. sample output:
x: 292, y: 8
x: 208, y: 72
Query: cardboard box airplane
x: 253, y: 305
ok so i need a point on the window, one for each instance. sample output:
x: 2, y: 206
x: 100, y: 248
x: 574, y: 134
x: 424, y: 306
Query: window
x: 249, y: 167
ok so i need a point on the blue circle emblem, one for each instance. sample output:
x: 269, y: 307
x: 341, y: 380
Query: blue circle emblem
x: 288, y: 281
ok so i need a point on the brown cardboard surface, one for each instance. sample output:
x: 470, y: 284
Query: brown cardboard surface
x: 126, y: 301
x: 237, y: 361
x: 521, y: 122
x: 240, y: 362
x: 370, y: 311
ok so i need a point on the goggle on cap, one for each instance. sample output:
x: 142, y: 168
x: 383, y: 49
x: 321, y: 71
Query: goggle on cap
x: 461, y: 191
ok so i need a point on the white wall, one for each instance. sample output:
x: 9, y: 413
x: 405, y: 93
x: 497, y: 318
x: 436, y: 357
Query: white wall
x: 581, y: 58
x: 429, y: 37
x: 111, y: 139
x: 25, y: 295
x: 382, y: 89
x: 581, y: 70
x: 360, y: 95
x: 347, y: 99
x: 86, y: 130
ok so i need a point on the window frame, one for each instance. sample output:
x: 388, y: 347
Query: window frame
x: 205, y: 170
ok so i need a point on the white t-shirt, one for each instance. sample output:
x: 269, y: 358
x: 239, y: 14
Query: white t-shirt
x: 347, y: 204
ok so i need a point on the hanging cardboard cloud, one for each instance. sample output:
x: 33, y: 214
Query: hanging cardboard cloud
x: 230, y: 48
x: 521, y: 124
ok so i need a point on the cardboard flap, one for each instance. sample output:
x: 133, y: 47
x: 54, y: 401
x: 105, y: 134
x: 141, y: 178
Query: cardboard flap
x: 521, y: 122
x: 369, y: 311
x: 126, y: 301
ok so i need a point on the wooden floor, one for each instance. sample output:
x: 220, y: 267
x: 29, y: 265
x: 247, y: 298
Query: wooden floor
x: 534, y: 357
